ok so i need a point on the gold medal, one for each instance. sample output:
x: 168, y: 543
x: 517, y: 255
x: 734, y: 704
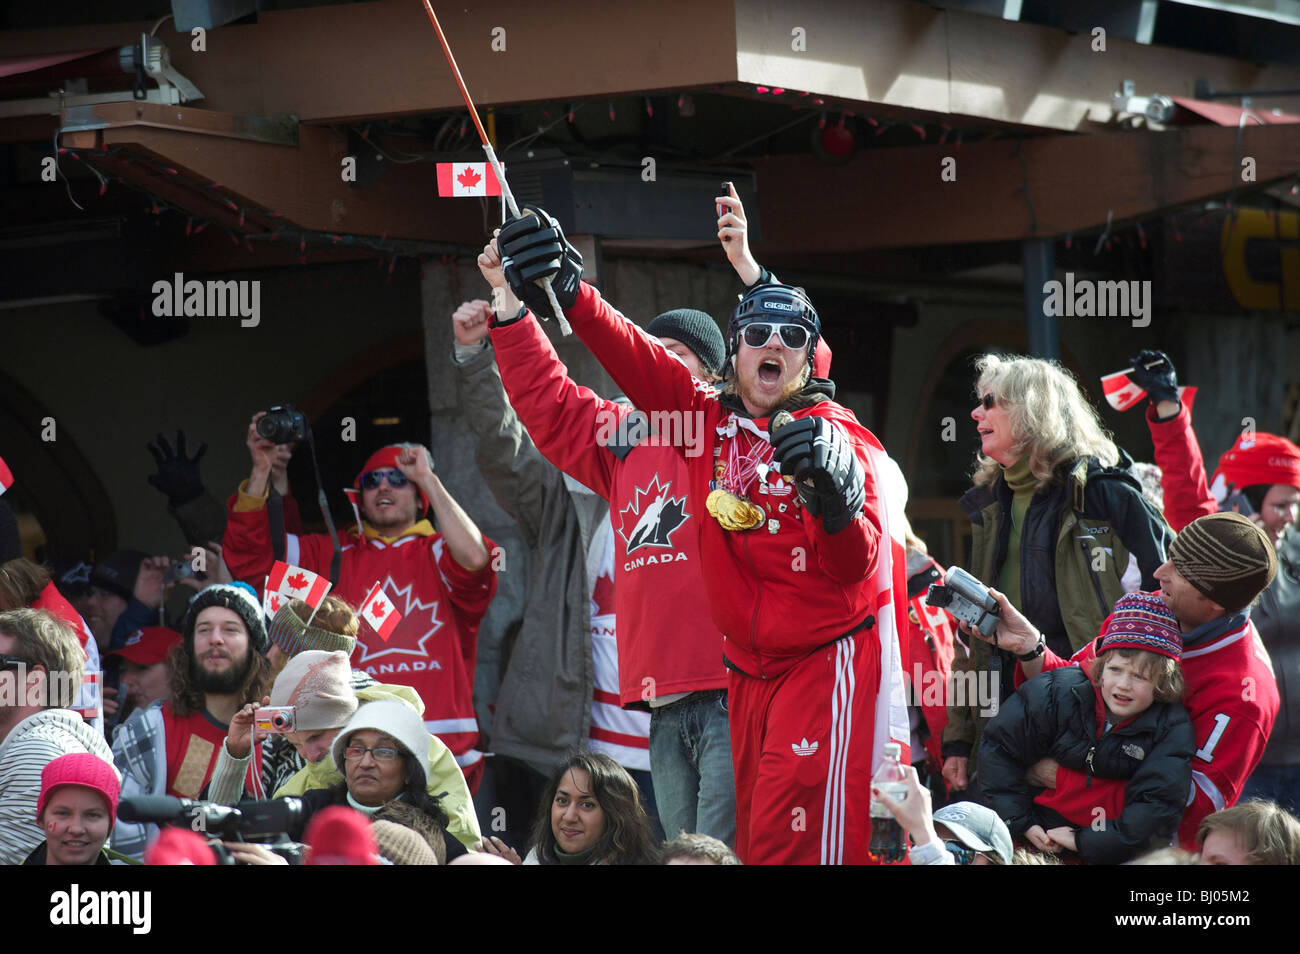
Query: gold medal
x: 732, y: 512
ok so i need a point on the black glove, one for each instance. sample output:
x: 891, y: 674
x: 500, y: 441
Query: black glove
x: 813, y: 449
x: 533, y: 247
x: 1154, y: 373
x: 178, y: 475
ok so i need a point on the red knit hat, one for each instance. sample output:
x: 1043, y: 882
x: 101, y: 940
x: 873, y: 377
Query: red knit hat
x: 84, y: 769
x: 340, y: 836
x: 1259, y: 459
x: 179, y: 846
x: 386, y: 459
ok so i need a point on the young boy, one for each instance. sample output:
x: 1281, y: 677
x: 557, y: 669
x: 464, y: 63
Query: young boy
x: 1124, y: 729
x: 77, y: 808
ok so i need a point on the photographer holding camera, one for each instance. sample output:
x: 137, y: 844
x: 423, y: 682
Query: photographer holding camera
x: 445, y: 574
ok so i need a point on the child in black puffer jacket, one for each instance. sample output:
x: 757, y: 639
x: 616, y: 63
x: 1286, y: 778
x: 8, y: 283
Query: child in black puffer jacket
x: 1122, y: 738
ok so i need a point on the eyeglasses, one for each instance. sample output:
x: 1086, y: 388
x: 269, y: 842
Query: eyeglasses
x: 964, y: 854
x: 371, y: 479
x: 381, y: 753
x: 989, y: 400
x: 758, y: 334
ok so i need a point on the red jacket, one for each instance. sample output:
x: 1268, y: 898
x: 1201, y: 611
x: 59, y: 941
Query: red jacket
x: 434, y: 646
x: 1182, y: 469
x: 779, y: 591
x: 930, y: 650
x: 666, y: 641
x: 1232, y: 700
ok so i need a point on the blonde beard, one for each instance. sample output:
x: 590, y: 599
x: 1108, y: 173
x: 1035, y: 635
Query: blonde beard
x: 732, y: 387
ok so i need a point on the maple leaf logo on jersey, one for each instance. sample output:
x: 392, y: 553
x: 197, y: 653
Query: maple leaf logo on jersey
x: 652, y: 516
x: 419, y: 622
x: 469, y: 178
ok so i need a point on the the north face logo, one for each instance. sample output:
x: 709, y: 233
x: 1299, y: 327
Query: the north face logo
x: 652, y: 516
x: 803, y: 748
x: 1133, y: 751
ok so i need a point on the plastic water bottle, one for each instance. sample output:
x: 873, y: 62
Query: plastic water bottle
x: 888, y: 840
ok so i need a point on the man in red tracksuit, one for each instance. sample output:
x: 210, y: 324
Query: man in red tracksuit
x: 441, y: 583
x: 1217, y: 565
x: 797, y: 560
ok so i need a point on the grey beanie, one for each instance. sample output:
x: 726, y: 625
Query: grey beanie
x: 319, y: 687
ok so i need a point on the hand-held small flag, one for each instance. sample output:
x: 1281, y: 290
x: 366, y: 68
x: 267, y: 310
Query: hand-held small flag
x: 6, y: 476
x: 378, y: 610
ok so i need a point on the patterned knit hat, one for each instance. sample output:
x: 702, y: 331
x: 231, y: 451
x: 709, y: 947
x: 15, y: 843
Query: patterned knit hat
x: 291, y: 633
x: 1226, y: 557
x: 238, y: 597
x: 694, y: 329
x: 85, y: 769
x: 319, y: 687
x: 399, y: 845
x: 1142, y: 621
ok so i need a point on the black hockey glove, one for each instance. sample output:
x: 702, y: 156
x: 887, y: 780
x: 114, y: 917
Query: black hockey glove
x: 826, y: 472
x: 533, y: 247
x: 178, y: 475
x: 1154, y: 373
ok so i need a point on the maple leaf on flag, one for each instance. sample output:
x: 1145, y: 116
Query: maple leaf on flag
x: 297, y: 581
x: 468, y: 178
x: 378, y: 608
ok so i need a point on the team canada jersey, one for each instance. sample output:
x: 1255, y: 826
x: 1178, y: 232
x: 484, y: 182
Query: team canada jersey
x: 432, y: 649
x: 622, y: 734
x: 667, y: 642
x: 1232, y: 700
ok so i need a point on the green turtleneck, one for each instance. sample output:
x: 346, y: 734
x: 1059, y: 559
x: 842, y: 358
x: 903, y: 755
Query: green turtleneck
x: 1022, y: 483
x: 576, y: 858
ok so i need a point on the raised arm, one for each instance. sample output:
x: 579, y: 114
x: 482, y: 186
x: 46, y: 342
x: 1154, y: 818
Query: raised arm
x: 646, y: 372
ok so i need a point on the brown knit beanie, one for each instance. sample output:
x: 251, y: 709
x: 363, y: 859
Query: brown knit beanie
x: 400, y: 845
x: 1226, y: 557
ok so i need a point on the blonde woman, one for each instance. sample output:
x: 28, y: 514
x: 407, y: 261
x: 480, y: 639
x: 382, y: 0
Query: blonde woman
x: 1058, y: 524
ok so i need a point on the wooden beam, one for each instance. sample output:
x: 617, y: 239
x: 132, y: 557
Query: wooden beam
x: 1007, y: 189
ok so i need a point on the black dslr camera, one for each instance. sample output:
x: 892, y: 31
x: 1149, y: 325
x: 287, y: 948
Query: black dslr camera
x: 967, y: 599
x: 283, y: 425
x: 268, y: 823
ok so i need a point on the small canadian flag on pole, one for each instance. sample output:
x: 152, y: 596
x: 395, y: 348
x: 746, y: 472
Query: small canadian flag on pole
x: 295, y: 583
x: 6, y: 476
x: 1121, y: 393
x: 460, y: 179
x: 378, y: 610
x: 354, y: 498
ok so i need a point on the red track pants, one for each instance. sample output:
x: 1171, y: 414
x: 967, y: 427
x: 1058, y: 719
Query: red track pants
x: 801, y: 743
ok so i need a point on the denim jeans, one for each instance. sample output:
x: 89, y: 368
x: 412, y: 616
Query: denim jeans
x: 690, y: 762
x: 1277, y: 783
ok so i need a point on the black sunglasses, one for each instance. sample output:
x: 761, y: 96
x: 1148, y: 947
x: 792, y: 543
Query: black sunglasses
x: 989, y: 400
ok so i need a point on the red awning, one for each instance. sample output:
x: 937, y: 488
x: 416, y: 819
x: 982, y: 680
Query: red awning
x: 1224, y: 114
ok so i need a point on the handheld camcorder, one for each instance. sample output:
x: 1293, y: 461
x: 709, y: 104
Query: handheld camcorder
x: 967, y: 599
x: 279, y: 719
x: 272, y: 823
x: 283, y: 425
